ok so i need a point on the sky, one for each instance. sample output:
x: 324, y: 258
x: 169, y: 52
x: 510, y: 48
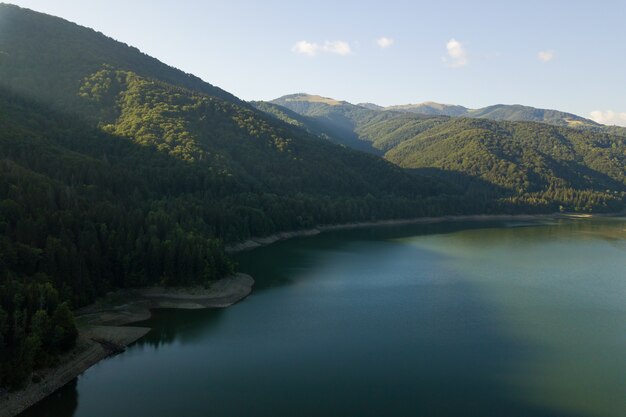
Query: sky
x: 565, y: 55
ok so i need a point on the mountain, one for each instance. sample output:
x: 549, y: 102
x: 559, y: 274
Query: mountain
x: 532, y: 163
x: 503, y: 112
x: 336, y: 125
x: 500, y: 112
x: 518, y: 113
x: 317, y: 106
x: 46, y: 58
x: 529, y: 163
x: 341, y: 121
x: 431, y: 108
x: 348, y: 120
x: 613, y: 130
x: 117, y: 170
x: 371, y: 106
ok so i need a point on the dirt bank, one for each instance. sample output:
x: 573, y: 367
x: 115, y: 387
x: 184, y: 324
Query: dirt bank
x: 102, y: 332
x: 267, y: 240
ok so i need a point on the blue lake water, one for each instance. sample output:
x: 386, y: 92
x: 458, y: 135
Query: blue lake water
x: 454, y: 319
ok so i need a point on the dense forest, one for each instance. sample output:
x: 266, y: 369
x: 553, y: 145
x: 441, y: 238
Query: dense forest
x: 526, y: 164
x: 499, y: 112
x: 119, y: 171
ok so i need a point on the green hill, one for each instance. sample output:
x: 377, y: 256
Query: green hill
x: 120, y: 171
x: 340, y: 121
x: 431, y: 109
x: 579, y: 168
x: 500, y: 112
x: 532, y: 163
x: 317, y: 107
x: 518, y: 113
x: 47, y: 58
x: 339, y: 132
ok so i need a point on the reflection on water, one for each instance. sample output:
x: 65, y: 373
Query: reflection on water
x: 180, y: 326
x: 61, y: 403
x: 469, y: 319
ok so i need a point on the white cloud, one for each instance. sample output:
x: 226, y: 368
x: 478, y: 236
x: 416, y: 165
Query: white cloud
x: 609, y: 117
x: 457, y: 55
x: 329, y: 47
x: 384, y: 42
x: 545, y: 56
x: 306, y: 48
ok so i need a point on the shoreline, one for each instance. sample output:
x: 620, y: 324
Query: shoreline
x: 103, y: 326
x: 103, y: 331
x: 256, y: 242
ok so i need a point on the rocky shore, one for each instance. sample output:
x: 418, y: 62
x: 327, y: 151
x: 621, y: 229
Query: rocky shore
x: 103, y: 331
x: 256, y: 242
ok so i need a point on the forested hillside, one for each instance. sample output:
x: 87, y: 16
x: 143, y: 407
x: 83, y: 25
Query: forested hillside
x: 500, y: 112
x: 338, y: 120
x: 47, y: 58
x: 430, y: 108
x: 529, y: 162
x: 326, y: 109
x: 579, y: 168
x: 119, y: 171
x: 518, y: 113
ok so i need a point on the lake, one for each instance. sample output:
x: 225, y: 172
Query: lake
x: 451, y: 319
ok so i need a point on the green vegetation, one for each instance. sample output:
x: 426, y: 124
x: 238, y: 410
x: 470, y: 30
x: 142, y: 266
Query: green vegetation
x: 431, y: 109
x: 527, y: 165
x: 530, y: 163
x: 118, y: 171
x: 518, y: 113
x: 337, y: 120
x: 500, y: 112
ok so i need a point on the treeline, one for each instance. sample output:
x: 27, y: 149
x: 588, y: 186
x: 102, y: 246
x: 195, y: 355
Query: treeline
x: 83, y: 212
x: 523, y: 165
x: 526, y: 162
x: 35, y: 327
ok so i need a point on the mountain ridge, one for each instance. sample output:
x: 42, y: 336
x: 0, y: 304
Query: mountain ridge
x: 584, y: 167
x: 504, y: 112
x: 119, y: 171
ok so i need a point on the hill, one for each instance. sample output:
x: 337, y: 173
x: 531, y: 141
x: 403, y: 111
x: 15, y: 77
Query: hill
x: 431, y: 108
x: 500, y: 112
x: 340, y: 121
x: 518, y: 113
x: 532, y: 164
x: 120, y: 171
x: 47, y: 59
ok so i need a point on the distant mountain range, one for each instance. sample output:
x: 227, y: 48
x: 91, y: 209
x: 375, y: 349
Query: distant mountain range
x: 511, y: 113
x: 532, y: 159
x: 346, y: 116
x: 506, y: 112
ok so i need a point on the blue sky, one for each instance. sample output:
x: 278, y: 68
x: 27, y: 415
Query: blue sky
x: 566, y: 55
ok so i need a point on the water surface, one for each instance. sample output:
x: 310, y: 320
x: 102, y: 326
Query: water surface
x: 456, y: 319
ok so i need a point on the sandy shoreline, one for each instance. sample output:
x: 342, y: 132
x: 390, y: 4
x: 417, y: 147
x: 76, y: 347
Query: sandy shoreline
x: 102, y: 332
x: 267, y: 240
